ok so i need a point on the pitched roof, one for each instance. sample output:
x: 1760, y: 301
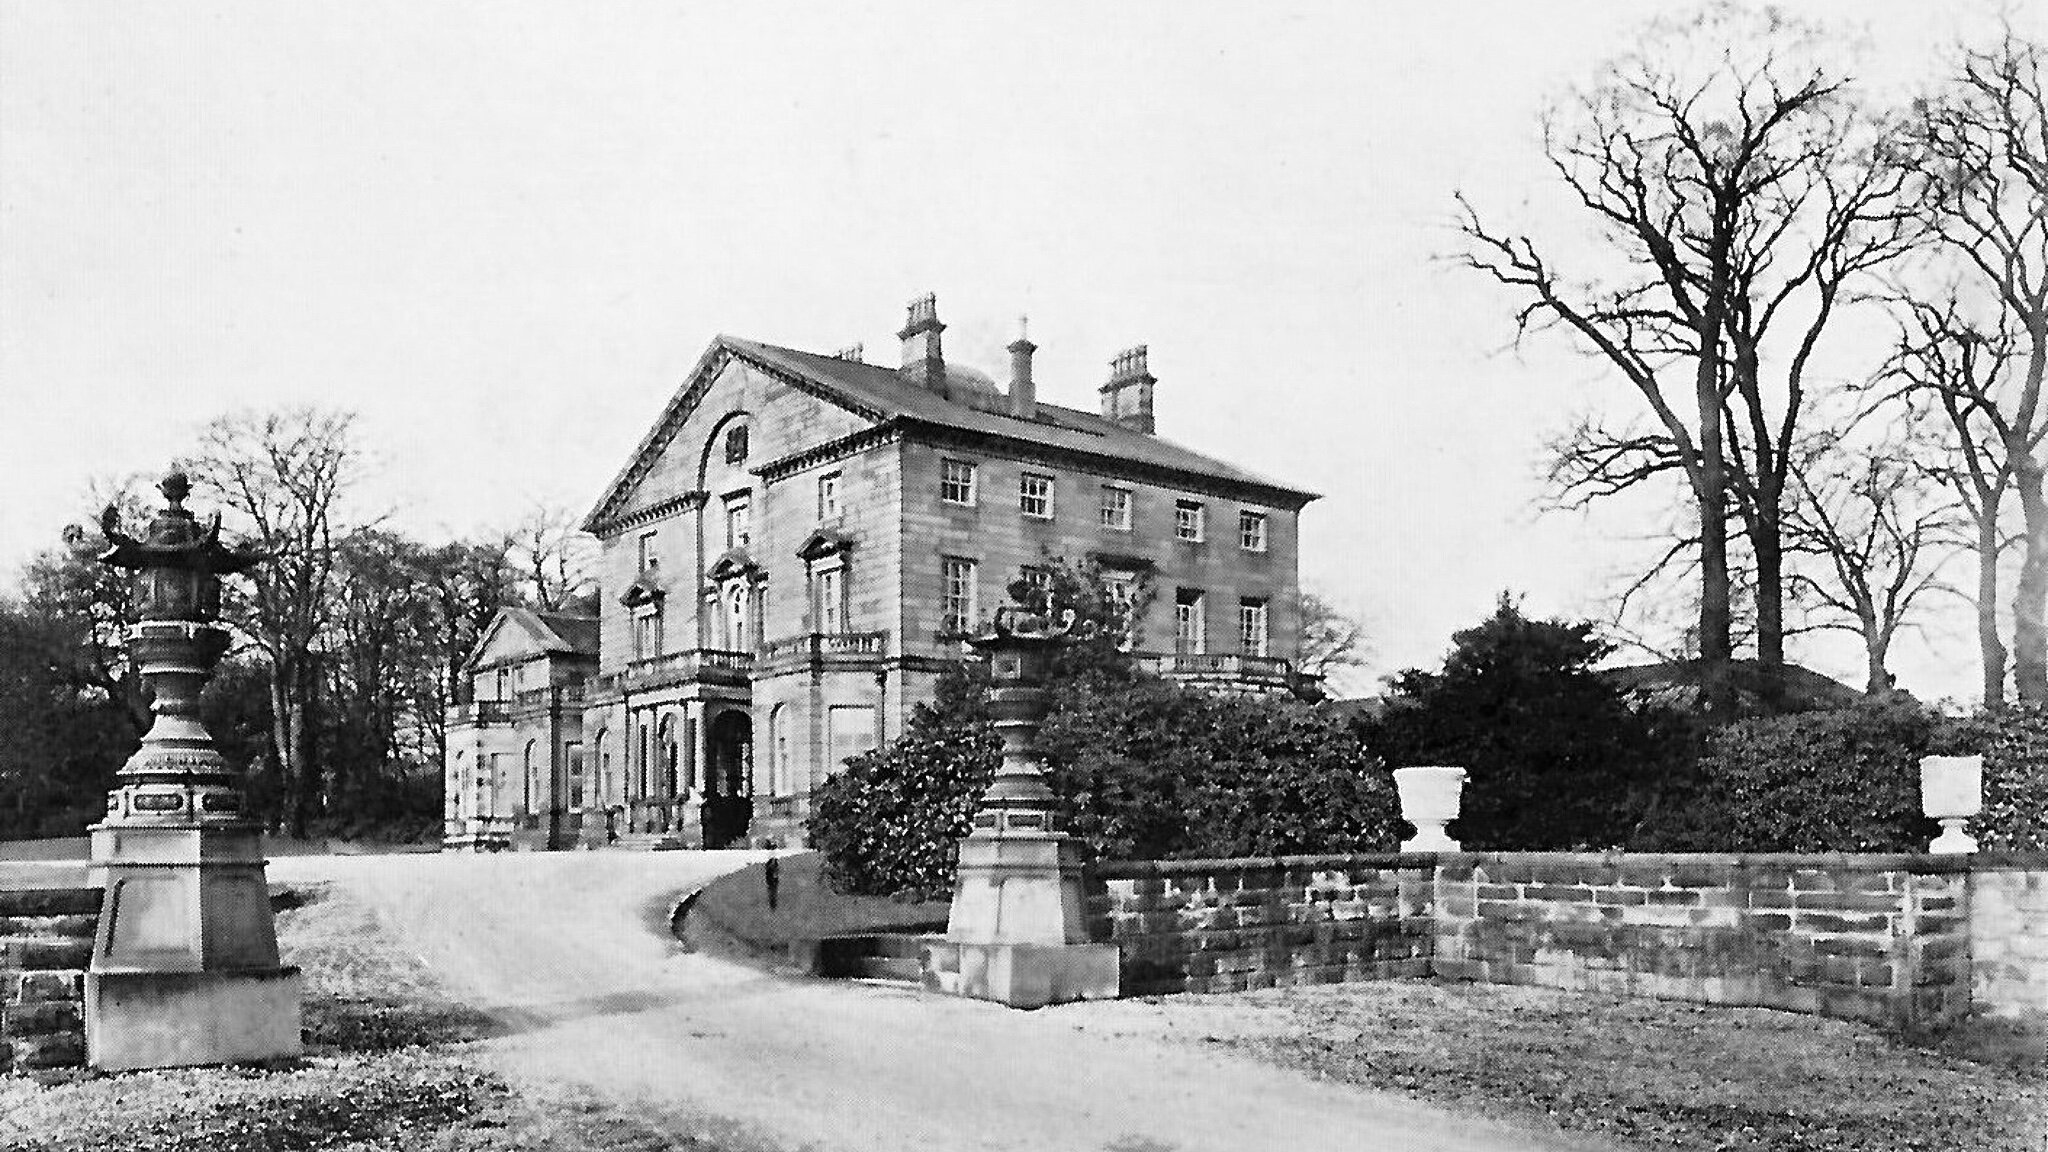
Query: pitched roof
x: 881, y: 395
x: 548, y: 632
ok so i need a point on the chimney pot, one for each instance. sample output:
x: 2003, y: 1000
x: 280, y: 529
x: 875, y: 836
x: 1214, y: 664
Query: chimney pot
x: 924, y: 363
x: 1023, y: 392
x: 1127, y: 398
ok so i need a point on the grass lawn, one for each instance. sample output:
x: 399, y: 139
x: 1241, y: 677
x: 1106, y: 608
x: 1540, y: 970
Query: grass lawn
x: 384, y: 1071
x: 732, y: 916
x: 1654, y: 1074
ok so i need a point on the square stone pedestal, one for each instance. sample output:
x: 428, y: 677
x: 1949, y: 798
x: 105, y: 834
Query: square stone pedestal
x: 185, y: 968
x: 1018, y: 930
x: 177, y: 1019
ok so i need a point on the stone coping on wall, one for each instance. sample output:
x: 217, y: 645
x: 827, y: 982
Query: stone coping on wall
x: 1926, y: 863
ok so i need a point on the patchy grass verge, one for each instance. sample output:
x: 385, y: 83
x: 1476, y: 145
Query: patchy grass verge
x: 381, y: 1074
x: 732, y: 917
x: 1655, y: 1074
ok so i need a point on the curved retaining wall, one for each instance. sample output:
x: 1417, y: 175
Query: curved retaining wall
x: 1904, y: 940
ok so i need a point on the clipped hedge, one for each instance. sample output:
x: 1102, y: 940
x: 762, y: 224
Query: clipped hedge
x: 1144, y: 770
x: 1848, y: 780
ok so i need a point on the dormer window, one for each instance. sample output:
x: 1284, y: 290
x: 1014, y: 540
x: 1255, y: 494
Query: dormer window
x: 736, y: 445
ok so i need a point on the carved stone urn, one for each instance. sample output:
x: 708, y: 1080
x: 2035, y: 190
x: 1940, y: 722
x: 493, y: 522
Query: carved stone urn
x: 185, y: 969
x: 1430, y: 796
x: 1952, y: 791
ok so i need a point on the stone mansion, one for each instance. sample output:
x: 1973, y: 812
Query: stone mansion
x: 791, y: 556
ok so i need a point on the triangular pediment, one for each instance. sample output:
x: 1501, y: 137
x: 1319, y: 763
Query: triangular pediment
x: 824, y: 542
x: 644, y: 590
x: 736, y: 563
x: 618, y: 495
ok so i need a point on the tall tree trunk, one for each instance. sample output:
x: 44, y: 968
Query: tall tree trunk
x: 1717, y: 688
x: 1766, y: 541
x: 1990, y: 646
x: 2030, y: 597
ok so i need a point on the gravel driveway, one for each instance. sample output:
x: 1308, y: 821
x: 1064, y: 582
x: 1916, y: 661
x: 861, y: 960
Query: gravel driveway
x: 568, y: 948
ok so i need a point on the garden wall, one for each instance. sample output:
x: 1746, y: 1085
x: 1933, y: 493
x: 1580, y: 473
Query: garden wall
x: 1905, y: 940
x: 1863, y: 937
x: 1229, y: 925
x: 45, y: 945
x: 2009, y: 936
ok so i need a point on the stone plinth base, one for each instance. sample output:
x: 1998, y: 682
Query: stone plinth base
x: 1019, y: 888
x: 138, y: 1020
x: 1022, y: 975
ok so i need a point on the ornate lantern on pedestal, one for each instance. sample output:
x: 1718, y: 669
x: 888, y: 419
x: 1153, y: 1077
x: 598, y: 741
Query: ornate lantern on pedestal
x: 185, y: 969
x: 1017, y: 932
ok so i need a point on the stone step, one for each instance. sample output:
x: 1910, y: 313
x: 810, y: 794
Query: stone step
x: 42, y: 987
x: 49, y: 902
x: 44, y: 953
x: 649, y: 842
x: 901, y: 969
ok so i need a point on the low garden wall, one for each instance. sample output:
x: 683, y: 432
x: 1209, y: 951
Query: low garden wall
x: 45, y: 945
x: 1229, y: 925
x: 1903, y: 940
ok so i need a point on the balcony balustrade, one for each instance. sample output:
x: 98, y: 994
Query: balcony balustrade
x: 1230, y: 665
x: 481, y: 712
x: 712, y: 664
x: 820, y: 645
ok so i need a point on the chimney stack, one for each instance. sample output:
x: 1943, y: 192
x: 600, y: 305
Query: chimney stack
x: 923, y: 362
x: 1023, y: 393
x: 1127, y: 398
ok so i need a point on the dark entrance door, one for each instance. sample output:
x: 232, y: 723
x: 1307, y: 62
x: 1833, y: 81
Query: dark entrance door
x: 728, y: 793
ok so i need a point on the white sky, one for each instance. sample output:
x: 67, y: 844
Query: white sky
x: 501, y: 233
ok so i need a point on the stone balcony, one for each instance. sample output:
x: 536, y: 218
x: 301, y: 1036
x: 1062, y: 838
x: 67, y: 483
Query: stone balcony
x: 706, y: 665
x: 480, y: 713
x: 1226, y: 670
x: 827, y: 648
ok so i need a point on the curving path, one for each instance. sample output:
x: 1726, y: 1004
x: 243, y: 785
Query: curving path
x: 568, y: 946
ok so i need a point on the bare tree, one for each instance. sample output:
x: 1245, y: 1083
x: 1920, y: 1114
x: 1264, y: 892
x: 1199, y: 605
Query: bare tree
x: 1949, y: 375
x: 1736, y: 193
x: 1983, y: 151
x: 282, y: 475
x: 1878, y: 527
x: 1331, y: 639
x: 556, y: 560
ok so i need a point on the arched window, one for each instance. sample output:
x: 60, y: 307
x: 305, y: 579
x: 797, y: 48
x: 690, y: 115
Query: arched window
x: 736, y: 617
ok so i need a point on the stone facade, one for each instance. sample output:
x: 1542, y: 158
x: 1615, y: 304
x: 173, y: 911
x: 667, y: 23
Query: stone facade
x: 790, y: 558
x: 1912, y: 941
x: 516, y: 775
x: 46, y: 939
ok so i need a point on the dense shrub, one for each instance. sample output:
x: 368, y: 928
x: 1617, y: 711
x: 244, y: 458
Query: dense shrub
x: 1144, y: 769
x: 1558, y: 757
x: 1845, y: 780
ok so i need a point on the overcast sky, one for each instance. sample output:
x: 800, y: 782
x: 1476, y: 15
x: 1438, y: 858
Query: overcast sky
x: 501, y: 233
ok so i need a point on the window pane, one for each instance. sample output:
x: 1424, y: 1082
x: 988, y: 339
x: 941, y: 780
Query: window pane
x: 956, y: 481
x: 1252, y: 632
x: 1116, y: 508
x: 1187, y: 520
x: 1251, y: 531
x: 828, y: 496
x: 1034, y: 495
x: 957, y: 603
